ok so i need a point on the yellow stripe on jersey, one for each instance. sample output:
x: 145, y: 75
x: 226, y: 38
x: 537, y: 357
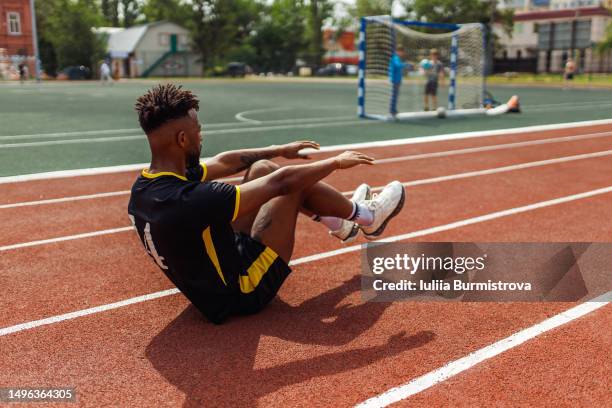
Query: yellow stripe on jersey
x: 212, y: 253
x: 145, y: 173
x: 237, y: 205
x: 204, y: 171
x: 257, y: 270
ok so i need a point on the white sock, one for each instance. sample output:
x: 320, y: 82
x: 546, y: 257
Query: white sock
x: 333, y: 223
x: 362, y: 215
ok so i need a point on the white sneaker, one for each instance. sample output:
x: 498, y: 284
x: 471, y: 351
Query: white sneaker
x: 385, y: 206
x: 349, y: 230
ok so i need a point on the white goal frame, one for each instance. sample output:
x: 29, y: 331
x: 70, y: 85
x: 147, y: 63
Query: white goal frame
x: 451, y: 109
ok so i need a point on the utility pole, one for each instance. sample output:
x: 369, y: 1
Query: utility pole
x: 35, y: 42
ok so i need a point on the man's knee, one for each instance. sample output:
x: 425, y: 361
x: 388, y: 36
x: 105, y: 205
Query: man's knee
x: 261, y: 168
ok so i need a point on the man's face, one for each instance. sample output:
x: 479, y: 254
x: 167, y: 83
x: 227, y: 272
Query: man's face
x: 434, y: 56
x: 194, y: 145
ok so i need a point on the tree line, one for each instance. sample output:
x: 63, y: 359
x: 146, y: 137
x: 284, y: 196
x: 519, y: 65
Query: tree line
x: 269, y: 35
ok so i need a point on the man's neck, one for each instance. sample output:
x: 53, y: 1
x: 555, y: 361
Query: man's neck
x: 159, y: 165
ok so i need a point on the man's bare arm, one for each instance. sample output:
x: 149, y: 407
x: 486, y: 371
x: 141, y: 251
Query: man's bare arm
x: 232, y: 162
x: 291, y: 179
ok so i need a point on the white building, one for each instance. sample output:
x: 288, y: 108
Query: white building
x: 562, y: 29
x: 158, y: 49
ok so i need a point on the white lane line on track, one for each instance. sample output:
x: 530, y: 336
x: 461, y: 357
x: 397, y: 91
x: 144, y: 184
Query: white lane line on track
x: 502, y: 146
x: 85, y: 197
x: 388, y: 160
x: 502, y: 169
x: 65, y: 238
x: 412, y: 183
x: 332, y: 148
x: 65, y: 199
x: 415, y: 234
x: 466, y: 222
x: 453, y: 368
x: 85, y: 312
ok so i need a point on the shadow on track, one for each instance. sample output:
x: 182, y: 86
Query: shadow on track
x: 214, y: 365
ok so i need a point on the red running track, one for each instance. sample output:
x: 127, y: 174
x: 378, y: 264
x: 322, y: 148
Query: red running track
x: 317, y: 344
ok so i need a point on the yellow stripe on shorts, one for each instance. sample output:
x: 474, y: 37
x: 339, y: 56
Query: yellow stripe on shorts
x: 257, y: 270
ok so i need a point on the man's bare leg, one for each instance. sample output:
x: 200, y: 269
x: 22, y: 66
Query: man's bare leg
x: 274, y: 223
x: 320, y: 199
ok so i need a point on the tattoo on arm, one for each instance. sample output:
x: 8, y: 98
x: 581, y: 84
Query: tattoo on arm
x: 248, y: 159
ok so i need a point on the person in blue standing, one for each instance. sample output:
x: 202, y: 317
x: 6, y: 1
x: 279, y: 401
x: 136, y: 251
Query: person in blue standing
x: 396, y: 74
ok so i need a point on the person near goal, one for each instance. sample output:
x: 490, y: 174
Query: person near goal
x: 434, y: 74
x: 227, y: 247
x: 396, y: 73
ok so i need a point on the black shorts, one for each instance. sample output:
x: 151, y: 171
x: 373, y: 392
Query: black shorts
x: 569, y: 76
x: 263, y: 274
x: 431, y: 88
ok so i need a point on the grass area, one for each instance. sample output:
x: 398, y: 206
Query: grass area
x: 604, y: 80
x: 68, y: 125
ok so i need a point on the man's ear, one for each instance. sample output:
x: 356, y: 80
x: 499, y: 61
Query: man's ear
x: 181, y: 138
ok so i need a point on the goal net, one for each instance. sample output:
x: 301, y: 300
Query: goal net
x: 397, y: 68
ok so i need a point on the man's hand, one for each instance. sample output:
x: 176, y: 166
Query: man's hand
x: 350, y: 159
x: 292, y: 150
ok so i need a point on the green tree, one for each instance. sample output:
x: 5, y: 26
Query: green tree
x: 120, y: 13
x: 176, y: 11
x: 278, y: 37
x: 319, y: 11
x: 68, y: 28
x: 456, y: 12
x: 131, y: 12
x: 464, y: 11
x: 110, y: 12
x: 606, y: 44
x: 48, y: 57
x: 219, y: 27
x: 364, y: 8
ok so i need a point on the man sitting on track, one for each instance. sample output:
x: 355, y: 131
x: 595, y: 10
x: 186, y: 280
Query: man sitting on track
x: 227, y: 247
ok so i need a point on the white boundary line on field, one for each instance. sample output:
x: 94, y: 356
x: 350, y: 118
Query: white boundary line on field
x: 437, y: 179
x: 241, y: 115
x: 246, y: 122
x: 395, y: 142
x: 208, y: 133
x: 453, y: 368
x: 241, y: 125
x: 353, y: 248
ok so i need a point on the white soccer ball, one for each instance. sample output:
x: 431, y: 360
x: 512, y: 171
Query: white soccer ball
x: 441, y: 112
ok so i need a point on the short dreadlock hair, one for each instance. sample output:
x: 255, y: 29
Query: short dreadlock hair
x: 162, y: 103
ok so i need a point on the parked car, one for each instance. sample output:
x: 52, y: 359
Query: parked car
x: 75, y: 73
x: 352, y: 69
x: 332, y: 70
x: 237, y: 69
